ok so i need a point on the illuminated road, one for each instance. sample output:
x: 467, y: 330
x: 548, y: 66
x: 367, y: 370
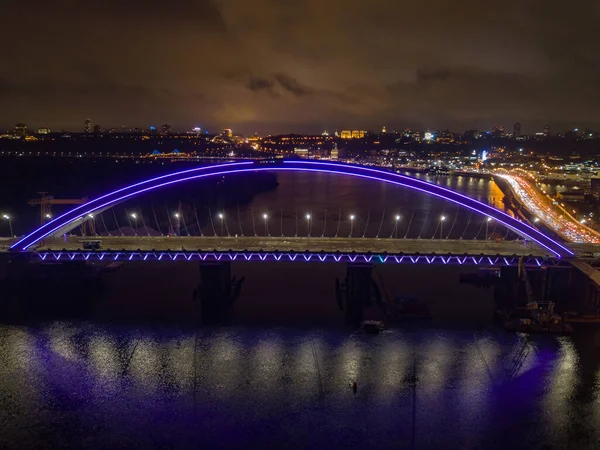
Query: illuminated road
x: 553, y: 217
x: 301, y: 244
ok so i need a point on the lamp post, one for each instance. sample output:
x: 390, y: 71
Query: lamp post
x: 134, y: 217
x: 93, y: 230
x: 442, y: 225
x: 7, y: 217
x: 178, y: 217
x: 308, y: 217
x: 221, y: 217
x: 487, y: 222
x: 352, y: 217
x: 396, y: 225
x: 266, y: 219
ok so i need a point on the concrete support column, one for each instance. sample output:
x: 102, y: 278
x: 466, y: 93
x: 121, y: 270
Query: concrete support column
x: 358, y: 291
x: 216, y: 291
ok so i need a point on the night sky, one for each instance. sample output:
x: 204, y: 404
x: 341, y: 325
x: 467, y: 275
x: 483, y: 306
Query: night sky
x: 301, y: 65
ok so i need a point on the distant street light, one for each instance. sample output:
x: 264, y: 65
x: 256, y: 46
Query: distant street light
x: 442, y: 225
x: 48, y: 216
x: 308, y: 217
x: 352, y: 217
x: 7, y: 217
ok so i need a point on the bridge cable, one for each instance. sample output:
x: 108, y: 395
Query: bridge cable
x: 104, y: 224
x: 117, y: 222
x: 239, y: 220
x: 506, y: 235
x: 479, y: 232
x: 296, y: 215
x: 367, y: 222
x: 197, y: 220
x: 142, y: 217
x: 435, y: 231
x: 423, y: 227
x: 184, y: 224
x: 253, y: 226
x: 493, y: 231
x: 170, y: 222
x: 324, y: 222
x: 211, y: 221
x: 409, y: 224
x: 453, y: 223
x: 281, y: 220
x: 338, y: 225
x: 466, y: 226
x: 156, y: 218
x: 381, y: 223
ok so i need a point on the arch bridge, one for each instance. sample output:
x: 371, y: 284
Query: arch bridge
x: 348, y: 250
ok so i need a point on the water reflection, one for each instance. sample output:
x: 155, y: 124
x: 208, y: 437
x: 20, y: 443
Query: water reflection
x: 465, y: 381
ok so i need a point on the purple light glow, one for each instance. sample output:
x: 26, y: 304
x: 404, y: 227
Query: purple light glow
x: 72, y: 216
x: 401, y: 258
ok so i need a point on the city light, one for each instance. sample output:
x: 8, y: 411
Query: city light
x: 133, y: 215
x: 397, y: 217
x: 6, y: 216
x: 265, y: 216
x: 352, y: 217
x: 489, y: 219
x: 443, y: 218
x: 91, y: 216
x: 221, y: 215
x: 48, y: 216
x: 176, y: 215
x: 308, y: 217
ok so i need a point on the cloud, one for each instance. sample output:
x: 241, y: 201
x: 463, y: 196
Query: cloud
x: 275, y: 66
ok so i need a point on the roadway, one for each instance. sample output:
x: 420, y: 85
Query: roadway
x: 301, y: 244
x: 553, y: 216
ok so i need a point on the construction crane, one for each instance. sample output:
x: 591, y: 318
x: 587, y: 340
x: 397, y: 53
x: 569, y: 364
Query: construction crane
x: 46, y: 201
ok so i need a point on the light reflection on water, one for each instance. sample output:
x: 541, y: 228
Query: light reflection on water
x: 465, y: 383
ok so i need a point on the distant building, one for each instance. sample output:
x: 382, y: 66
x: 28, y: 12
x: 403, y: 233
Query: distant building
x: 87, y: 126
x: 352, y: 134
x: 547, y: 131
x: 43, y: 130
x: 97, y: 129
x: 383, y: 130
x: 497, y: 131
x: 20, y: 130
x: 165, y: 129
x: 227, y: 133
x: 517, y: 130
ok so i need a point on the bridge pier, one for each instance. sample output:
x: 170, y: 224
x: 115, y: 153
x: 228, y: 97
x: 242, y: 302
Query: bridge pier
x: 216, y: 291
x: 356, y: 292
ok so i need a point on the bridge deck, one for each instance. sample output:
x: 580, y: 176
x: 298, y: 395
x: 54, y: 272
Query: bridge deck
x: 302, y: 244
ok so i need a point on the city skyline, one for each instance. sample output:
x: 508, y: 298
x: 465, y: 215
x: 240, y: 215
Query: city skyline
x: 255, y: 66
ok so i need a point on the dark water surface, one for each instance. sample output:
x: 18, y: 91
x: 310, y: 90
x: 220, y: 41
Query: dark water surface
x: 137, y: 370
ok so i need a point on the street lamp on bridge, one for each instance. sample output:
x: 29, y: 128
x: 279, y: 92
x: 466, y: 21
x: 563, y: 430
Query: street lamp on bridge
x: 221, y: 217
x: 7, y: 217
x: 266, y: 219
x: 308, y: 217
x: 395, y: 231
x: 487, y: 223
x: 178, y: 217
x: 134, y: 217
x: 352, y: 217
x: 442, y: 219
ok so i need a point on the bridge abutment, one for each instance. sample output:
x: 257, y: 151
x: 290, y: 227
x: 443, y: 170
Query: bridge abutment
x: 216, y: 292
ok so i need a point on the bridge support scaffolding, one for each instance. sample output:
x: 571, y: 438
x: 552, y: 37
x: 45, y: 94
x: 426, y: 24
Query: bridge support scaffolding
x: 216, y: 292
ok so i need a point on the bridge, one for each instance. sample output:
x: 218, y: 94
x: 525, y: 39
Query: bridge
x: 53, y: 242
x: 63, y: 224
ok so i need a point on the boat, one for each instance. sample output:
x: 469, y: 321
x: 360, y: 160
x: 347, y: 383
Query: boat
x: 371, y: 326
x: 533, y: 318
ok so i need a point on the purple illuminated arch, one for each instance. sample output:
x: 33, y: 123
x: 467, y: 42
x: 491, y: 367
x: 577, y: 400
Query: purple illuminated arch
x: 76, y: 216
